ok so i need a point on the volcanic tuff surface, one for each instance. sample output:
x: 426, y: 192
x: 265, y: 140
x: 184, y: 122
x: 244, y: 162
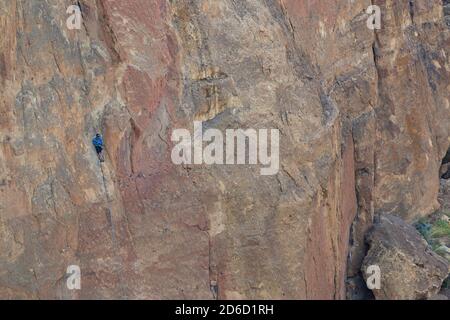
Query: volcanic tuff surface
x: 364, y: 122
x: 412, y: 271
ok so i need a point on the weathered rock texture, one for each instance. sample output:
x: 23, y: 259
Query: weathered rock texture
x: 409, y: 269
x: 364, y: 120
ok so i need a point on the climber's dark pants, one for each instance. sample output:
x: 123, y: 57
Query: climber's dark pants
x: 98, y: 149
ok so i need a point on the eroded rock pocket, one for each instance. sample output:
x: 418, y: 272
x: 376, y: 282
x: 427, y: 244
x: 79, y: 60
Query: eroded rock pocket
x: 446, y: 4
x: 444, y: 171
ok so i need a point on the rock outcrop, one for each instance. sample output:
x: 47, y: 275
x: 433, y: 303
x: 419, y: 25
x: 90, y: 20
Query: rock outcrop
x: 364, y: 122
x: 409, y: 269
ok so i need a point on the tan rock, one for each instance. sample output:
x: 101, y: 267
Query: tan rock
x: 409, y: 269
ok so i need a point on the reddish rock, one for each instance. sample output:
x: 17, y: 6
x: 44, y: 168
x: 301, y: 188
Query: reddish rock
x: 363, y: 120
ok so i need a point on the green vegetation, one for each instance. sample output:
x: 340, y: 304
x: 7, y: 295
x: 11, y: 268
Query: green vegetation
x: 436, y: 231
x: 424, y: 228
x: 440, y: 229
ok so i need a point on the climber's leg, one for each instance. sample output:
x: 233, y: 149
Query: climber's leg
x: 100, y: 153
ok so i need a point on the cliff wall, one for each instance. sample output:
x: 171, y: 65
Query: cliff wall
x: 364, y: 120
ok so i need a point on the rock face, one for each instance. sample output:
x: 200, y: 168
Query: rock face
x: 364, y: 124
x: 409, y: 268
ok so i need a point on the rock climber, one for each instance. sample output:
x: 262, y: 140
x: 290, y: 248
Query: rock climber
x: 98, y: 144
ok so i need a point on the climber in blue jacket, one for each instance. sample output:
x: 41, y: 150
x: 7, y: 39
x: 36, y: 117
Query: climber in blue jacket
x: 98, y: 144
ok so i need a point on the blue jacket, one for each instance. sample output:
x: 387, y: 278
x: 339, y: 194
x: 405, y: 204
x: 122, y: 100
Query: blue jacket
x: 97, y: 142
